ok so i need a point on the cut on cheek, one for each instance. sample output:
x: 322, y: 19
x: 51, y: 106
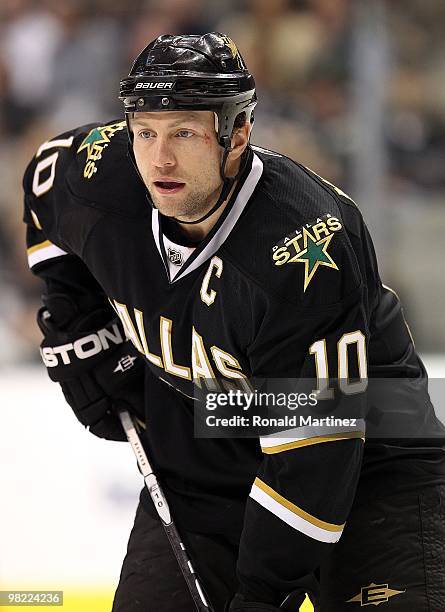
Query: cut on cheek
x: 207, y: 138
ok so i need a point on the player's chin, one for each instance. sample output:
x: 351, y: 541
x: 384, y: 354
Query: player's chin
x: 169, y: 207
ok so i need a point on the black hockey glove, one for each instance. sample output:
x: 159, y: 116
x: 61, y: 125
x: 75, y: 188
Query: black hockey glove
x: 94, y: 363
x: 240, y: 604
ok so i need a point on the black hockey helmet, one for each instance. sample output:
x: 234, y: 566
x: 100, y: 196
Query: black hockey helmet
x: 192, y: 72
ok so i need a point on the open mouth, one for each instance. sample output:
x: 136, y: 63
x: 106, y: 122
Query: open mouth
x: 168, y: 186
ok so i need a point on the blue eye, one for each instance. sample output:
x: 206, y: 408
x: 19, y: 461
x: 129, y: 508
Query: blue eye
x: 145, y: 134
x: 184, y: 133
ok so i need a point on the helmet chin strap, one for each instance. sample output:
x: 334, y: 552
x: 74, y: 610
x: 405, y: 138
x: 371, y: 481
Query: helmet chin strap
x: 228, y: 182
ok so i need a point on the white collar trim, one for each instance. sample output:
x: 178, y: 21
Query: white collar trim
x: 227, y: 226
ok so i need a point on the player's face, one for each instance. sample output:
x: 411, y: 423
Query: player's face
x: 178, y: 156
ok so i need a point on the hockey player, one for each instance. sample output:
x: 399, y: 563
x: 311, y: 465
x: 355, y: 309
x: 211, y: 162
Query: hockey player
x: 219, y: 259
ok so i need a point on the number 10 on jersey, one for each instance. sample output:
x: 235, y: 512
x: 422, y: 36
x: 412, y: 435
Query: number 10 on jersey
x: 346, y: 385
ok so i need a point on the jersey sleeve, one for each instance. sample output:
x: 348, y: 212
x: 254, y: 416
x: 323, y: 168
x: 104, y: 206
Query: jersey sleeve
x: 50, y: 255
x: 305, y: 486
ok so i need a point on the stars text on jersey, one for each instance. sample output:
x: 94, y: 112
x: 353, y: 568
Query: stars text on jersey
x: 95, y: 142
x: 308, y: 245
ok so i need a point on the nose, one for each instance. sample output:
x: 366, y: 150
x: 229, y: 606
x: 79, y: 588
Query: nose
x: 163, y: 156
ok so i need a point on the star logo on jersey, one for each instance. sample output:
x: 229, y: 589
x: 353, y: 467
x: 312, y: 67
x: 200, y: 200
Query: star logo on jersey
x: 374, y: 595
x: 313, y: 255
x: 94, y: 143
x: 308, y: 245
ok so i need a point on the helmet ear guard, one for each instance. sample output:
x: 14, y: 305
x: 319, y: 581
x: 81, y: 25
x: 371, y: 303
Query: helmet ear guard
x: 190, y: 72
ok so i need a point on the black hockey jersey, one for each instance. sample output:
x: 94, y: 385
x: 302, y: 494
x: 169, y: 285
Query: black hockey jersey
x: 285, y: 285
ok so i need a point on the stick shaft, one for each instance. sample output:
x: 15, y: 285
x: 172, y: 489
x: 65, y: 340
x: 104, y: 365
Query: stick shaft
x: 163, y: 511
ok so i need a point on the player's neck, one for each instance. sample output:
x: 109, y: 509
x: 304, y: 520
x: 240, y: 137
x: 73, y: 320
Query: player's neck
x: 197, y: 232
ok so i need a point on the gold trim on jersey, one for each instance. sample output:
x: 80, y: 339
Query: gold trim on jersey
x: 337, y: 190
x: 296, y: 509
x: 279, y: 448
x: 165, y: 331
x: 201, y: 367
x: 37, y: 247
x: 154, y: 359
x: 43, y: 251
x: 293, y: 515
x: 36, y: 220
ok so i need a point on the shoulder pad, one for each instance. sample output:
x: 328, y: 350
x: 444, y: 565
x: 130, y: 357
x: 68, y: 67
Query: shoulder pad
x: 90, y: 163
x: 295, y: 239
x: 102, y: 172
x: 85, y: 172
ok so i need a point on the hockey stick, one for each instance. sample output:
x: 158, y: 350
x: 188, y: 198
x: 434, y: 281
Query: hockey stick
x: 163, y: 511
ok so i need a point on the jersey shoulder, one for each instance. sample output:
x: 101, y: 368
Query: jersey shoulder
x: 298, y: 191
x: 80, y: 175
x: 297, y: 238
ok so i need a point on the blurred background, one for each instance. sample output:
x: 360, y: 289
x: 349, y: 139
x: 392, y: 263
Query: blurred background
x: 355, y: 89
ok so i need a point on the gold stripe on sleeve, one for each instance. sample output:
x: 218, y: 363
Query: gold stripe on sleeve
x: 295, y: 509
x: 279, y: 448
x: 37, y: 247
